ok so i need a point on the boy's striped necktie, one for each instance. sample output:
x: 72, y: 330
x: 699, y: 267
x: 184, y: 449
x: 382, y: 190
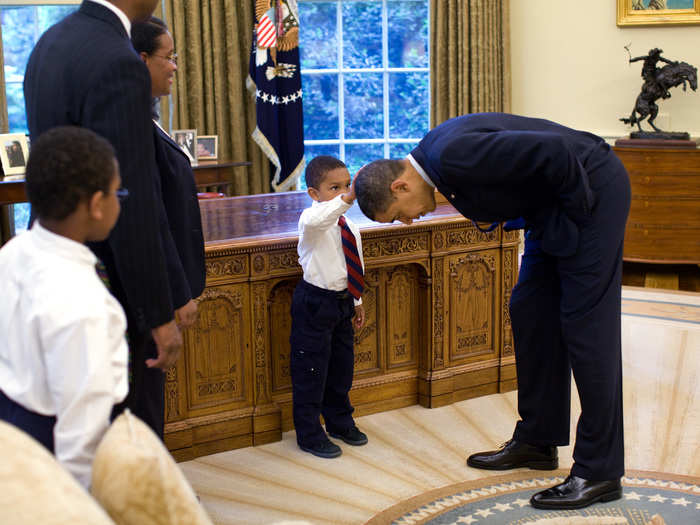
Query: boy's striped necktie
x: 356, y: 280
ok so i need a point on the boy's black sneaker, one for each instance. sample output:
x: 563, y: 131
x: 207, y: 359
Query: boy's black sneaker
x: 352, y: 436
x: 324, y: 449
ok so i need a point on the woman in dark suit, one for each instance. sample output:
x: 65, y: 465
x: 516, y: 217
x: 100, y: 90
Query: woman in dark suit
x: 155, y: 45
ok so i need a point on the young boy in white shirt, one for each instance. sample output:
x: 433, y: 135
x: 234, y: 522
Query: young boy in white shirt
x: 323, y: 306
x: 63, y: 354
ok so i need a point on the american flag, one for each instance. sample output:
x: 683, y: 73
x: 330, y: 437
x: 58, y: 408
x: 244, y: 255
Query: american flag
x: 267, y: 34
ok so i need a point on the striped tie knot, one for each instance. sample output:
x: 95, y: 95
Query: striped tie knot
x: 102, y: 273
x: 356, y: 280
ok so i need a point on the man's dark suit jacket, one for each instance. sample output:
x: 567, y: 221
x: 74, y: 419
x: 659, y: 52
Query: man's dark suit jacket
x: 85, y: 72
x: 499, y: 167
x: 182, y: 209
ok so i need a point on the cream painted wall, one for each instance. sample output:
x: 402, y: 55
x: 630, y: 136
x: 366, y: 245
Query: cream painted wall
x: 569, y: 65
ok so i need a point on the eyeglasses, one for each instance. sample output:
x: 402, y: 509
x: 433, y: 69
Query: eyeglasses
x: 122, y: 194
x: 170, y: 58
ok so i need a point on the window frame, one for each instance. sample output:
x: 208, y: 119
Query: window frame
x: 385, y: 70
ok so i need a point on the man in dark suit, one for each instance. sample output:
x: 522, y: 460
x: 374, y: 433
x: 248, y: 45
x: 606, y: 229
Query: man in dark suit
x: 572, y: 195
x: 84, y: 71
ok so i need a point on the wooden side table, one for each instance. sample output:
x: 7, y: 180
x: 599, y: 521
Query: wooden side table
x: 663, y: 227
x: 215, y: 175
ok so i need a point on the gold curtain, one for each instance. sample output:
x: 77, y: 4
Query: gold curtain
x: 212, y: 39
x: 470, y: 57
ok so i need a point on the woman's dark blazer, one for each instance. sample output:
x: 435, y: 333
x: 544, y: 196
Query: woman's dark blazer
x: 182, y: 209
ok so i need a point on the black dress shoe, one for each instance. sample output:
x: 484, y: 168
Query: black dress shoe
x: 514, y: 454
x: 353, y: 436
x: 324, y: 449
x: 576, y: 493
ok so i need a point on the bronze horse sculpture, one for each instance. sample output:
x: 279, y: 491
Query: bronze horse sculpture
x: 657, y: 82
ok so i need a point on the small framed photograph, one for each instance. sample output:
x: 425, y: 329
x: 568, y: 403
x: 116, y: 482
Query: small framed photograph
x: 187, y: 140
x: 14, y: 152
x: 207, y: 147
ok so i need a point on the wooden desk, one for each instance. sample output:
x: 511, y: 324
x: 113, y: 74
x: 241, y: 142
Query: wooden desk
x: 12, y: 192
x: 215, y: 175
x: 437, y: 331
x: 664, y: 220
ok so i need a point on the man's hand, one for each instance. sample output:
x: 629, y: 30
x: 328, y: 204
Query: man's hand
x: 359, y: 320
x: 168, y: 341
x: 186, y: 315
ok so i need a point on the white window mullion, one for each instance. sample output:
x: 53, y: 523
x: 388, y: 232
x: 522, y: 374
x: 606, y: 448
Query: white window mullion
x: 385, y: 74
x: 341, y: 84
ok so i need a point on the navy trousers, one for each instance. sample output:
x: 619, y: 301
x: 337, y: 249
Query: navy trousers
x: 146, y: 398
x: 566, y: 314
x: 321, y: 361
x: 36, y: 425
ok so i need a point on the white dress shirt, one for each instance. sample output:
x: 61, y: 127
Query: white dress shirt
x: 121, y: 14
x: 62, y: 347
x: 320, y: 246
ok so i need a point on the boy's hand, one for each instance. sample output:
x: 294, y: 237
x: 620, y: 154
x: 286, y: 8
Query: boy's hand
x: 349, y: 197
x: 359, y: 320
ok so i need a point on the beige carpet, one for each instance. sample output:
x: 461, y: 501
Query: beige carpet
x: 414, y: 450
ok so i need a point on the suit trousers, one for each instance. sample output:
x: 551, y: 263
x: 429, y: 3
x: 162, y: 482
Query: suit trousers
x: 38, y: 426
x: 146, y: 398
x: 321, y: 361
x: 566, y: 315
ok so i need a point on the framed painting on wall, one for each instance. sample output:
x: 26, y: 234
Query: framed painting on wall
x: 657, y: 12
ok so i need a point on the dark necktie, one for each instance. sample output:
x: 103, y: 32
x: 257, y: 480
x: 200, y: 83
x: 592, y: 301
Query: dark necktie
x: 102, y: 273
x: 356, y: 280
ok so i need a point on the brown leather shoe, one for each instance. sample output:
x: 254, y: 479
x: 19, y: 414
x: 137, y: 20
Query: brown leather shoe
x: 514, y: 454
x: 576, y: 493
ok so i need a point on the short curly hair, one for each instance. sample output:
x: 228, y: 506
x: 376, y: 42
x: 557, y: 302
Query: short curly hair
x: 66, y: 166
x: 319, y: 166
x: 373, y: 185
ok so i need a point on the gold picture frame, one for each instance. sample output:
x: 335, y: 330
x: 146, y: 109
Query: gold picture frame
x: 207, y: 147
x: 629, y: 16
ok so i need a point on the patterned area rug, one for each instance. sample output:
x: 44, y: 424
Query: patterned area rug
x: 649, y: 498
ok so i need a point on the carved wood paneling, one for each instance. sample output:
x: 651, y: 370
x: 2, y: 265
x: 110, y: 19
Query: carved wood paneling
x: 403, y: 315
x: 367, y: 340
x: 438, y: 290
x: 216, y: 348
x: 409, y: 244
x: 280, y: 327
x: 471, y: 237
x: 227, y: 268
x: 172, y: 395
x: 473, y: 296
x: 509, y: 275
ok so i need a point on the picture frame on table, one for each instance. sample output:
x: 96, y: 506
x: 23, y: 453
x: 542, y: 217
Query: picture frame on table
x: 207, y: 147
x: 14, y: 153
x: 640, y: 13
x: 187, y: 140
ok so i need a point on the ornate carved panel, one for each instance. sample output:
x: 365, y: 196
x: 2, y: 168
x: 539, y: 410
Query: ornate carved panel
x: 395, y: 245
x: 172, y: 395
x: 280, y: 326
x: 216, y: 370
x: 227, y: 268
x: 470, y: 236
x: 284, y: 261
x: 472, y: 292
x: 403, y: 314
x: 367, y: 339
x: 438, y: 312
x: 509, y: 276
